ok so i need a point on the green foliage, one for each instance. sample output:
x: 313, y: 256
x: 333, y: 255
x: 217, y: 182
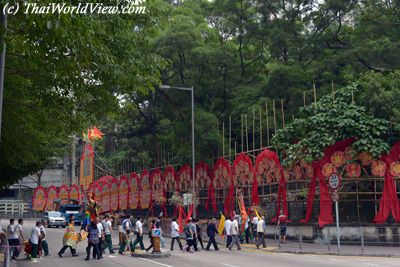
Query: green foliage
x: 328, y: 121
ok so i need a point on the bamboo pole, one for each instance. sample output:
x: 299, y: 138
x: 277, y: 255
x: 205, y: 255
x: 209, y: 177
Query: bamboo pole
x: 266, y: 118
x: 261, y: 145
x: 273, y: 106
x: 333, y: 91
x: 283, y: 114
x: 223, y: 139
x: 304, y: 98
x: 235, y: 150
x: 254, y: 121
x: 247, y: 136
x: 315, y: 94
x: 241, y: 125
x: 230, y: 135
x: 352, y: 96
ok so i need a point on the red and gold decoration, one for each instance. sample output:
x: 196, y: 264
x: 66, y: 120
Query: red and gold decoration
x: 52, y: 194
x: 134, y: 190
x: 298, y: 173
x: 243, y: 171
x: 328, y: 169
x: 157, y: 185
x: 349, y: 153
x: 145, y: 189
x: 202, y: 173
x: 378, y: 168
x: 353, y: 170
x: 123, y: 197
x: 338, y: 158
x: 86, y: 167
x: 63, y: 194
x: 394, y: 169
x: 114, y: 195
x: 105, y: 197
x: 222, y: 174
x: 365, y: 158
x: 185, y: 178
x: 39, y: 199
x: 286, y: 174
x: 171, y: 182
x: 74, y: 193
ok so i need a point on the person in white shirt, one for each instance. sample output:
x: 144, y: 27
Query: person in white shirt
x: 235, y: 234
x: 228, y: 224
x: 175, y: 234
x: 139, y: 235
x: 126, y: 228
x: 45, y: 246
x: 100, y: 228
x: 261, y: 233
x: 254, y: 222
x: 109, y: 233
x: 13, y: 239
x: 34, y: 239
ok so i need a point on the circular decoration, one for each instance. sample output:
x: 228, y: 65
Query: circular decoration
x: 394, y: 168
x: 378, y: 168
x: 353, y: 170
x: 338, y: 158
x: 298, y: 174
x: 39, y: 199
x: 328, y: 169
x: 365, y: 158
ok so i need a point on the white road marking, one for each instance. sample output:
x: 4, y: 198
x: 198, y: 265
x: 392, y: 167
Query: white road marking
x: 338, y: 260
x: 229, y: 265
x: 155, y: 262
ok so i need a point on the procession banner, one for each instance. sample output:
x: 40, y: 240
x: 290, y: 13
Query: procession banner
x: 123, y: 193
x: 157, y: 185
x: 74, y: 192
x: 86, y: 167
x: 105, y: 197
x: 244, y: 174
x: 63, y: 194
x: 170, y: 180
x: 114, y: 195
x: 134, y: 191
x: 39, y: 199
x: 145, y: 190
x: 52, y: 194
x: 184, y: 178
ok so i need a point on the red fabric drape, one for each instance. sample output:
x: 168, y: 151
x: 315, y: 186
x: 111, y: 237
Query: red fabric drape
x: 211, y: 201
x: 229, y: 204
x: 180, y: 219
x: 389, y: 201
x: 254, y: 193
x: 311, y: 196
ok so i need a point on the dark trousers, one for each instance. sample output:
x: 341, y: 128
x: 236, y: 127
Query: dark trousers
x: 100, y: 248
x: 109, y: 243
x: 64, y: 248
x: 212, y: 241
x: 138, y: 240
x: 14, y: 251
x: 228, y: 240
x: 151, y: 245
x: 260, y: 239
x: 247, y: 235
x: 95, y: 251
x: 200, y: 241
x: 189, y: 244
x: 45, y: 247
x: 194, y: 242
x: 35, y: 250
x: 177, y: 240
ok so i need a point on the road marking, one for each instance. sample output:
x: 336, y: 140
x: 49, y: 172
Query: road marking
x: 155, y: 262
x: 229, y: 265
x: 338, y: 260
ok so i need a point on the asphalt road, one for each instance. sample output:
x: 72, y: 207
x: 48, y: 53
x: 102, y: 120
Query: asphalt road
x: 246, y: 257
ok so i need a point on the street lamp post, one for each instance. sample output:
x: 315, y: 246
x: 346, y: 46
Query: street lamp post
x: 193, y: 156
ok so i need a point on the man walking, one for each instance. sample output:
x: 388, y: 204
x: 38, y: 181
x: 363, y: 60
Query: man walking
x: 235, y: 234
x: 211, y: 231
x: 109, y: 233
x: 45, y: 246
x: 198, y: 233
x: 175, y: 234
x: 139, y: 235
x: 228, y: 225
x: 193, y: 229
x: 13, y: 239
x: 100, y: 228
x: 189, y: 235
x: 70, y: 238
x: 126, y: 227
x: 261, y: 233
x: 34, y: 240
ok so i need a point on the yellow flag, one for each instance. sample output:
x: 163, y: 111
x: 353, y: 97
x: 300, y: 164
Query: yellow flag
x: 221, y: 226
x: 256, y: 212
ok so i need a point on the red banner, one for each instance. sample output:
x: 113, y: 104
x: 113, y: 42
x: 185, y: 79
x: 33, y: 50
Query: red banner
x: 52, y: 194
x: 169, y: 178
x: 63, y: 194
x: 74, y: 192
x: 222, y: 174
x: 244, y: 174
x: 184, y: 180
x: 123, y: 198
x: 39, y: 199
x: 105, y: 197
x: 134, y: 191
x: 145, y: 190
x: 157, y: 185
x: 114, y: 195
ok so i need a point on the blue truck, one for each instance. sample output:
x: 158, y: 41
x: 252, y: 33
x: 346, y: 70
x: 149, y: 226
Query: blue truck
x: 70, y: 206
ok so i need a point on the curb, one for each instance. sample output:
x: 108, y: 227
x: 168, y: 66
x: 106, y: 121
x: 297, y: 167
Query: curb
x: 335, y: 254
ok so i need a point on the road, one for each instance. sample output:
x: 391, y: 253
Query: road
x: 248, y: 256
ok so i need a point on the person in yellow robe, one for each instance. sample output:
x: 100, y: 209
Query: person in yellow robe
x: 70, y: 239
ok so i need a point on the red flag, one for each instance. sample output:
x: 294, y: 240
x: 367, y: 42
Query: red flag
x: 243, y: 211
x: 229, y: 204
x: 180, y: 219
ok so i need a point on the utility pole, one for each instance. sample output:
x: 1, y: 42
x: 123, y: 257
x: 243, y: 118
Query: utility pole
x: 3, y: 21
